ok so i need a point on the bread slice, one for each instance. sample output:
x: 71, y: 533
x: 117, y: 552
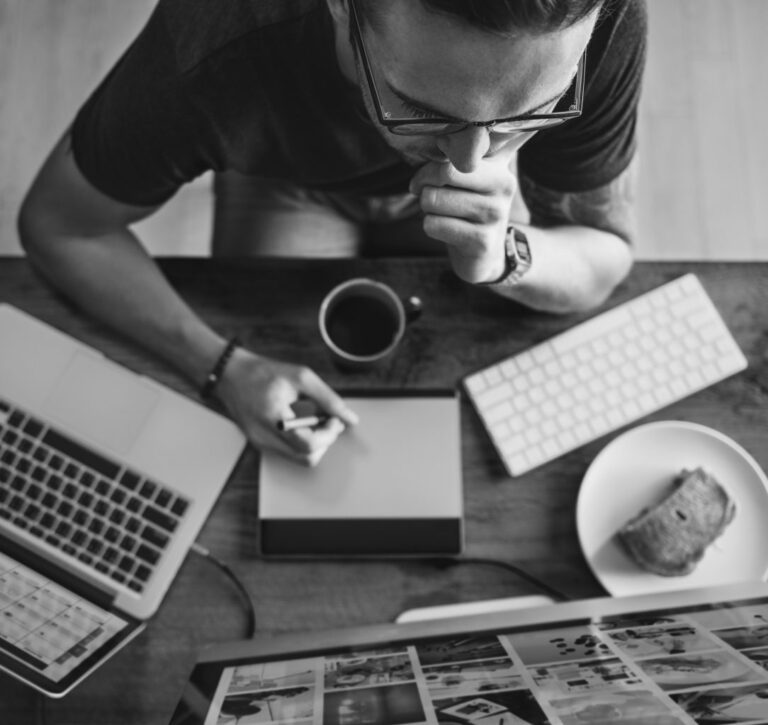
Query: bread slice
x: 671, y: 537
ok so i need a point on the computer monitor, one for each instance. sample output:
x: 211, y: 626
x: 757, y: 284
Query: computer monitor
x: 696, y: 656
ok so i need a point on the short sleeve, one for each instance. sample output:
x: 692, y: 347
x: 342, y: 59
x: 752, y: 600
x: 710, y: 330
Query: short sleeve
x: 591, y: 151
x: 139, y: 136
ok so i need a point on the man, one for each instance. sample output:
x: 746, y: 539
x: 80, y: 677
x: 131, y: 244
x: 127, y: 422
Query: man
x: 400, y: 116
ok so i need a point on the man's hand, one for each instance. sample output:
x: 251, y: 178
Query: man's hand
x: 258, y: 392
x: 469, y: 212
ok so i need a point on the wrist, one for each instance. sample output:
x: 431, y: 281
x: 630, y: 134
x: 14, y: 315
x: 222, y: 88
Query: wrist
x: 517, y: 259
x: 214, y: 377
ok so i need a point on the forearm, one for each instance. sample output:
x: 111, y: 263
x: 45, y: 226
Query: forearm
x: 112, y: 278
x: 574, y: 268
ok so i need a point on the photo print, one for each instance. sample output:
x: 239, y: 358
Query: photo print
x: 471, y: 678
x: 723, y: 617
x: 366, y: 671
x: 685, y: 671
x: 513, y: 707
x: 640, y: 620
x: 668, y: 640
x: 636, y: 707
x: 559, y: 645
x: 572, y: 678
x: 273, y: 675
x: 385, y: 705
x: 744, y: 704
x: 758, y: 656
x: 268, y: 706
x: 459, y: 649
x: 748, y: 637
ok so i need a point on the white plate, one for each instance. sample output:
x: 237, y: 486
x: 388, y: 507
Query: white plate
x: 635, y: 469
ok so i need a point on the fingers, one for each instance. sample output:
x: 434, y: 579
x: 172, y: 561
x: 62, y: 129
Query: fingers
x: 329, y: 401
x: 491, y: 177
x: 451, y: 202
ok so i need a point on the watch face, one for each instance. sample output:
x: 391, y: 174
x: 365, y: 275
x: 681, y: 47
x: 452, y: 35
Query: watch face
x: 521, y: 245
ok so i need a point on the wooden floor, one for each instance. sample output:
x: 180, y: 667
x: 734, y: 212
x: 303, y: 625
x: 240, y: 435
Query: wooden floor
x: 704, y: 119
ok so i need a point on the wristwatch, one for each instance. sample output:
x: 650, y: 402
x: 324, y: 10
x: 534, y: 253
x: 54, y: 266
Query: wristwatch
x: 517, y: 256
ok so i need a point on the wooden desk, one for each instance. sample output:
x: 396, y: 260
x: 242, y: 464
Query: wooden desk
x: 272, y: 306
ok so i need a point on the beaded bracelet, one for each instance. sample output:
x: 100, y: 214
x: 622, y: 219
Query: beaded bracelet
x: 206, y: 391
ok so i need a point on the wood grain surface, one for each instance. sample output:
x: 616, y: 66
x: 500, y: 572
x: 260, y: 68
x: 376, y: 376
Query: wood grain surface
x: 530, y: 521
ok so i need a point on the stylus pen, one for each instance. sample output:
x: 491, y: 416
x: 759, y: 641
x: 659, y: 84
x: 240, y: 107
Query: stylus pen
x: 309, y: 421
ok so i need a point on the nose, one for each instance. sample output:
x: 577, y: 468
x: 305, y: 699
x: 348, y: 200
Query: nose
x: 464, y: 149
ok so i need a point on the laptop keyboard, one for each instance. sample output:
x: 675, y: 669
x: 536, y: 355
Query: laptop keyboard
x: 93, y: 509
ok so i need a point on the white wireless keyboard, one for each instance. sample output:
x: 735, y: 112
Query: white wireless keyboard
x: 604, y: 373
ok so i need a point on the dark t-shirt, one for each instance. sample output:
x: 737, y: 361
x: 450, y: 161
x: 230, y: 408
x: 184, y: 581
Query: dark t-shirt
x: 254, y: 86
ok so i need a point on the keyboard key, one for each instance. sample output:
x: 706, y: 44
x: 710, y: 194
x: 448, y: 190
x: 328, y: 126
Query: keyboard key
x: 145, y: 553
x: 33, y: 428
x: 129, y: 480
x: 163, y: 498
x: 179, y: 507
x: 162, y: 519
x: 154, y: 537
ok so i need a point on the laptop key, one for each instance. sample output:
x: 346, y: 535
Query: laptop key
x: 128, y: 543
x: 146, y: 554
x: 56, y: 462
x: 39, y: 473
x: 117, y: 516
x: 34, y: 492
x: 25, y: 445
x: 112, y: 534
x: 102, y: 567
x: 21, y: 522
x: 71, y: 470
x: 142, y: 573
x: 16, y: 419
x: 65, y: 508
x: 23, y: 465
x: 102, y: 487
x: 18, y: 483
x: 162, y: 519
x: 136, y: 586
x: 47, y: 520
x: 163, y: 498
x: 32, y: 511
x: 8, y: 457
x: 5, y: 474
x: 155, y: 537
x: 17, y: 503
x: 49, y: 500
x: 126, y: 563
x: 129, y: 480
x: 33, y: 428
x: 85, y: 499
x: 55, y: 482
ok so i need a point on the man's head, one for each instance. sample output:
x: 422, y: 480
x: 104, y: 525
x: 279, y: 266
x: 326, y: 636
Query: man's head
x: 471, y: 60
x: 500, y: 16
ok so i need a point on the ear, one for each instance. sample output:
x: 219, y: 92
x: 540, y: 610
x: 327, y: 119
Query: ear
x: 339, y: 11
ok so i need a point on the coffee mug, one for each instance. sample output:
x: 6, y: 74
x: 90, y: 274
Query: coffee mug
x: 362, y: 322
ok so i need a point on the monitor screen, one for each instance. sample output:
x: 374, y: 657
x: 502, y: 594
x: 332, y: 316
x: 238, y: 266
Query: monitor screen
x: 691, y: 664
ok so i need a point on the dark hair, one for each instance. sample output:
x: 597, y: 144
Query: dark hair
x: 502, y: 16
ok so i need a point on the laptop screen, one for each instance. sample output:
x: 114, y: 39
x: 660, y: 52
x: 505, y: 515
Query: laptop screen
x: 52, y: 634
x: 695, y: 663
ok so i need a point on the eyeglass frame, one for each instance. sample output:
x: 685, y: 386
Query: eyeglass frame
x: 391, y: 124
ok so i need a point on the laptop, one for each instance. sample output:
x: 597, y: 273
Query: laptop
x: 106, y: 478
x: 678, y: 658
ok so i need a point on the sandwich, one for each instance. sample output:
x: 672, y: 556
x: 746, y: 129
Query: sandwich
x: 671, y: 537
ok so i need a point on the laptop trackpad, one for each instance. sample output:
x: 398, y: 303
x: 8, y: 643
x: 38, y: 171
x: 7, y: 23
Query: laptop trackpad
x: 101, y: 402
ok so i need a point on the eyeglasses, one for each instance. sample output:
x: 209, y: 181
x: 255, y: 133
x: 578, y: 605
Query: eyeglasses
x: 415, y: 125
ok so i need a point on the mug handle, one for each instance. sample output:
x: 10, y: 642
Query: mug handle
x: 413, y: 308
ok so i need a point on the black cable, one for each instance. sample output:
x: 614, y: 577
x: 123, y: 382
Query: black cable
x: 449, y: 561
x: 250, y: 609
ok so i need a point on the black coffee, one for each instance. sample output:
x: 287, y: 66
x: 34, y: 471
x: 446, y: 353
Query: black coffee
x: 361, y: 325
